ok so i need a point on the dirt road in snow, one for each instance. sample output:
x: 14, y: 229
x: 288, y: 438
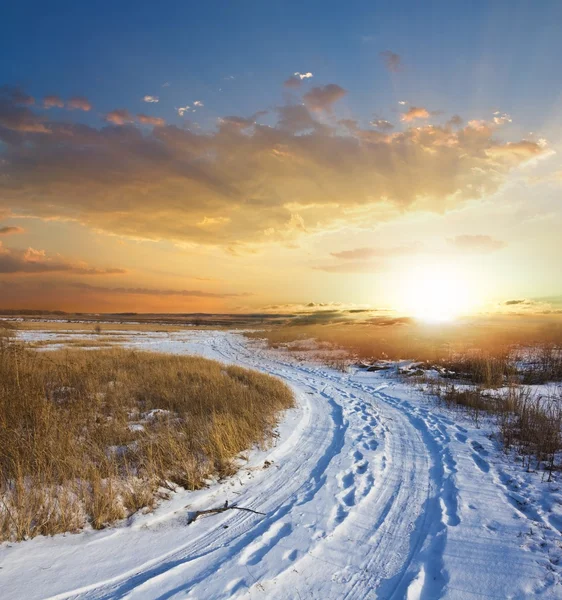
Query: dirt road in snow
x: 370, y: 494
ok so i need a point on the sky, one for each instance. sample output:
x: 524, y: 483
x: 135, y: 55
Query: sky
x: 257, y: 156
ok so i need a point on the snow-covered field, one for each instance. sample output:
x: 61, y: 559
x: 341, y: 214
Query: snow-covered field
x: 372, y: 492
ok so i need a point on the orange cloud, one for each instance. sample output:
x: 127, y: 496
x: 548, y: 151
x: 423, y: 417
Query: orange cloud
x: 34, y: 261
x: 146, y: 120
x: 120, y: 116
x: 79, y: 103
x: 415, y: 112
x: 53, y: 102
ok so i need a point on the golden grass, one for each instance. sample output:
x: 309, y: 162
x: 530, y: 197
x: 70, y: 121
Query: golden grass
x: 92, y: 436
x: 405, y: 339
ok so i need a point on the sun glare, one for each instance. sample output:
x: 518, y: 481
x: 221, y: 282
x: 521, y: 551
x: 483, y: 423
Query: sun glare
x: 435, y: 294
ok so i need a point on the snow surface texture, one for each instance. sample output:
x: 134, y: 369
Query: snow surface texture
x: 372, y: 492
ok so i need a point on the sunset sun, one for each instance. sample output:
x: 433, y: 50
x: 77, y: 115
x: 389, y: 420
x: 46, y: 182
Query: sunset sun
x: 435, y: 294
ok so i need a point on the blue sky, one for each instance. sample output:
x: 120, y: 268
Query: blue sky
x: 458, y: 57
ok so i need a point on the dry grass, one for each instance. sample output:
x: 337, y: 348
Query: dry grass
x: 91, y: 436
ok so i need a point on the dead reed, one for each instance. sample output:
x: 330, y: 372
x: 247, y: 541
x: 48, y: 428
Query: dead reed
x: 92, y: 436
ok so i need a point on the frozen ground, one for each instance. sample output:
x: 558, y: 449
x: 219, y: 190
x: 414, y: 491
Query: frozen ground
x: 372, y: 492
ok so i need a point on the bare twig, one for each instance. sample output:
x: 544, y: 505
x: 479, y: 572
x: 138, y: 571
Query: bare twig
x: 221, y: 509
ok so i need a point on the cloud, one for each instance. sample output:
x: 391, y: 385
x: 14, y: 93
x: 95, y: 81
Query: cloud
x: 295, y: 80
x: 516, y: 302
x: 382, y: 124
x: 415, y: 112
x: 14, y: 261
x: 120, y: 116
x: 392, y: 61
x: 501, y: 118
x: 256, y: 183
x: 402, y: 102
x: 455, y: 121
x: 183, y: 109
x: 9, y: 230
x: 166, y: 84
x: 16, y: 96
x: 516, y: 150
x: 146, y: 120
x: 151, y: 99
x: 349, y: 267
x: 19, y: 119
x: 368, y: 252
x: 53, y: 102
x: 476, y: 243
x: 79, y: 103
x: 323, y: 97
x: 156, y: 292
x: 198, y: 103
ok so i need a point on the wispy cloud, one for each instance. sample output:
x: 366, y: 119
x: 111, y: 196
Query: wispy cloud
x: 382, y: 124
x: 476, y: 243
x: 392, y: 61
x: 157, y: 292
x: 79, y: 103
x: 53, y: 102
x: 151, y: 99
x: 502, y: 118
x: 322, y: 98
x: 31, y: 261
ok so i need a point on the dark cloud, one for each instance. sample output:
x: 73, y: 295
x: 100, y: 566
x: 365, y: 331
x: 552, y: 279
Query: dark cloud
x: 322, y: 98
x: 16, y: 96
x: 16, y: 116
x: 392, y: 61
x: 8, y: 230
x: 243, y: 182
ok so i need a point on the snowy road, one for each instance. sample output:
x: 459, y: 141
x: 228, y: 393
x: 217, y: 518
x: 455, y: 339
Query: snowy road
x: 370, y: 494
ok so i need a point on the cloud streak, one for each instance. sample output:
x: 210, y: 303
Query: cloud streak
x: 31, y: 261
